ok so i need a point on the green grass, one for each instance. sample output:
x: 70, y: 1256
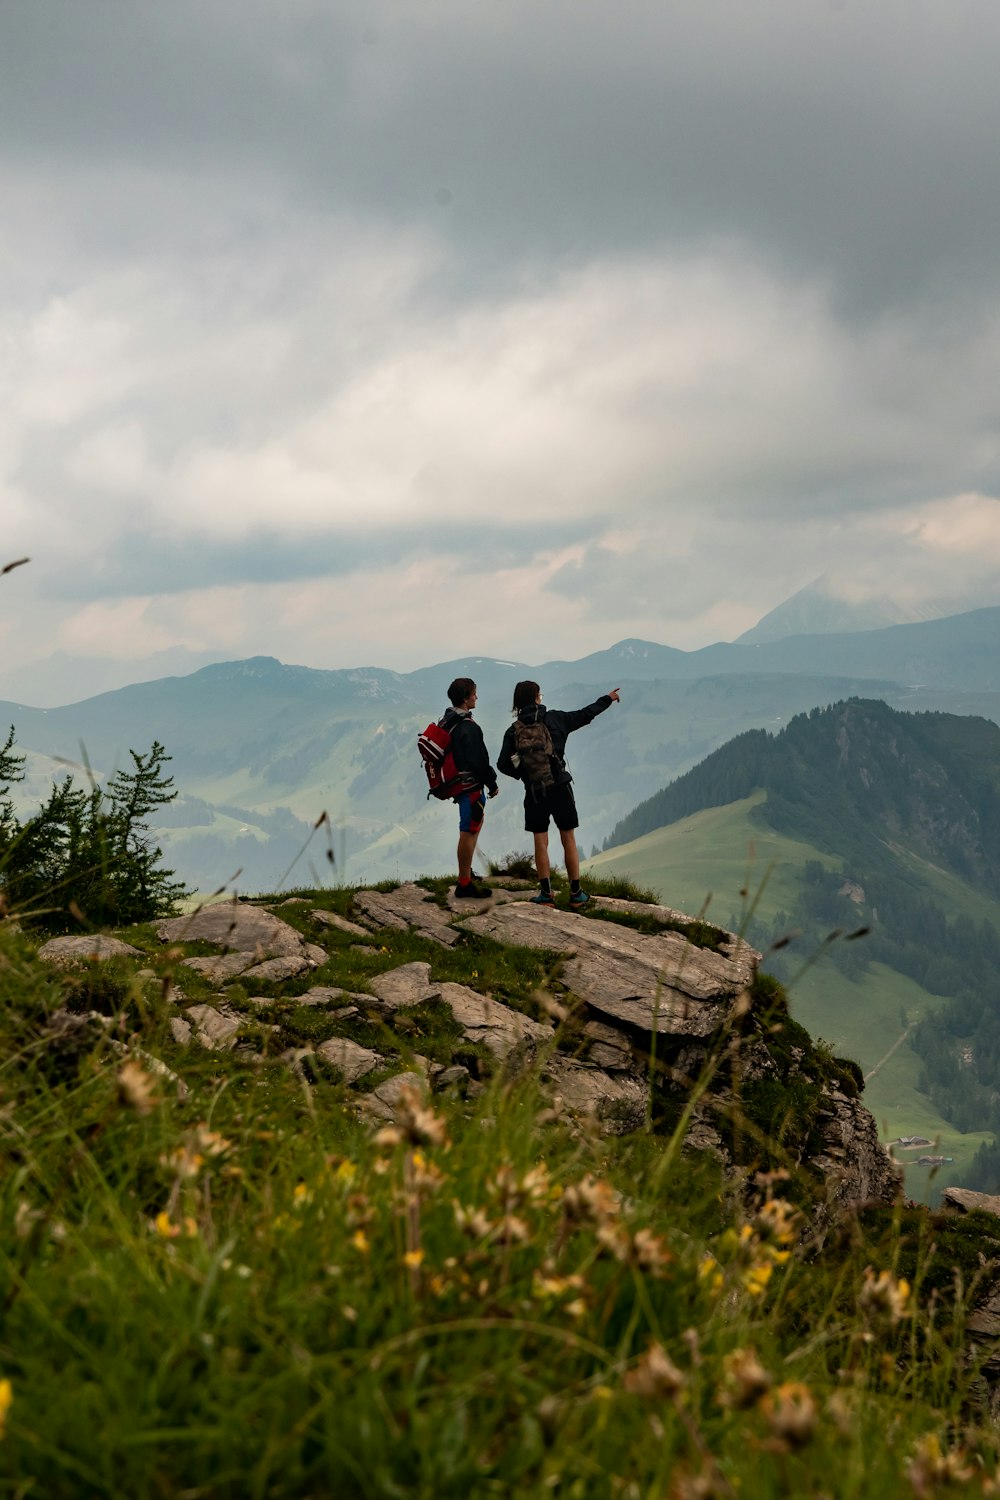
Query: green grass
x: 717, y: 862
x: 243, y: 1290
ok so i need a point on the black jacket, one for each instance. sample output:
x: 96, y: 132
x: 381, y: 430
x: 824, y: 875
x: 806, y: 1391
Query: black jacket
x: 469, y: 748
x: 561, y: 724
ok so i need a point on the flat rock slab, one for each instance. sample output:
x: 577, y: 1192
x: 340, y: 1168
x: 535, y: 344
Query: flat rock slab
x: 236, y: 926
x: 658, y: 983
x: 221, y: 967
x: 76, y: 950
x: 485, y: 1020
x: 274, y: 970
x: 338, y: 923
x: 408, y: 907
x: 350, y: 1059
x: 215, y: 1029
x: 382, y: 1102
x: 966, y: 1201
x: 618, y: 1104
x: 407, y: 985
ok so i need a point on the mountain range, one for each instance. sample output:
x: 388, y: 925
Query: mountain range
x: 261, y: 749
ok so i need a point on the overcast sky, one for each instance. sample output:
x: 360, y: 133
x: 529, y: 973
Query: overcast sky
x: 375, y: 334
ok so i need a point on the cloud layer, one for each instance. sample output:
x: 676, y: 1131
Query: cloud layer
x: 363, y: 334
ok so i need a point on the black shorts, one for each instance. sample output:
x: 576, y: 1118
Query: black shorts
x: 559, y: 804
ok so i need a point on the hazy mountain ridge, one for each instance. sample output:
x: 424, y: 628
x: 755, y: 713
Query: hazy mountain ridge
x: 258, y: 735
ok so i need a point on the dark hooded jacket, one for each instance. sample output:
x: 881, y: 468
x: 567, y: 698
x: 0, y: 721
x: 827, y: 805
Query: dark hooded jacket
x: 561, y: 724
x: 469, y: 748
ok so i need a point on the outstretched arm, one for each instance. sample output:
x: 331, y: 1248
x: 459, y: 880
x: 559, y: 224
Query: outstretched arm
x: 576, y: 718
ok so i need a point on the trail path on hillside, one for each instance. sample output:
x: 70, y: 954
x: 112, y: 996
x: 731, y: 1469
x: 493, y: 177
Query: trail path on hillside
x: 882, y: 1060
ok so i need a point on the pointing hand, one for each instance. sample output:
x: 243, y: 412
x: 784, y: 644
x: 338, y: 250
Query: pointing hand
x: 614, y: 695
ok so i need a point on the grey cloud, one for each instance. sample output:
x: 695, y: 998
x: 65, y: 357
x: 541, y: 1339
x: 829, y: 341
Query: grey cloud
x: 139, y: 563
x: 851, y: 142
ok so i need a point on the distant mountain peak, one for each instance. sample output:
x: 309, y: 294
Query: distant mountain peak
x: 818, y: 610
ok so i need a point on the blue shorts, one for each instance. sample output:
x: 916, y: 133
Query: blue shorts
x: 471, y: 809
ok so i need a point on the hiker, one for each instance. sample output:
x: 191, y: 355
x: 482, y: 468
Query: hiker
x: 533, y: 751
x: 472, y: 761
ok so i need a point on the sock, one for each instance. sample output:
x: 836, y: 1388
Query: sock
x: 546, y: 886
x: 574, y: 887
x: 464, y: 882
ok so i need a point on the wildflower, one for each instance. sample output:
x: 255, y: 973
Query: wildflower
x: 25, y: 1218
x: 650, y: 1252
x: 790, y: 1412
x: 423, y: 1173
x: 590, y: 1201
x: 757, y: 1276
x: 135, y: 1088
x: 165, y: 1227
x: 413, y: 1259
x: 883, y: 1296
x: 419, y: 1125
x: 184, y: 1162
x: 361, y: 1242
x: 211, y: 1142
x: 655, y: 1377
x: 744, y: 1380
x: 473, y: 1221
x: 776, y: 1221
x: 710, y: 1272
x: 930, y: 1469
x: 6, y: 1401
x: 301, y: 1195
x: 346, y: 1172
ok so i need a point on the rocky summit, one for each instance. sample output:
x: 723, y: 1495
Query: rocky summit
x: 647, y: 1017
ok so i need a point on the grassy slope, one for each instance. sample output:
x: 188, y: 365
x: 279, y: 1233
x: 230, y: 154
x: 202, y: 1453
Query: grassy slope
x: 716, y: 854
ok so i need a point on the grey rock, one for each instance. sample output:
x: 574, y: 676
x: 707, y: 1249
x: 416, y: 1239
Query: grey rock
x: 455, y: 1077
x: 341, y: 924
x: 485, y: 1020
x: 857, y: 1167
x: 382, y: 1102
x: 658, y: 983
x: 618, y: 1104
x: 215, y: 1029
x: 408, y: 907
x: 274, y: 970
x: 180, y: 1030
x: 236, y: 926
x: 75, y: 950
x: 408, y: 985
x: 222, y: 967
x: 295, y: 901
x: 965, y: 1200
x: 315, y: 953
x: 351, y: 1060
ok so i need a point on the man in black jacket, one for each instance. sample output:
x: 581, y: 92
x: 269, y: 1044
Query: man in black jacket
x: 473, y: 761
x: 534, y: 751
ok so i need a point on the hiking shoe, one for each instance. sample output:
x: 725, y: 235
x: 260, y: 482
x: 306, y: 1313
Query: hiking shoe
x: 472, y: 892
x: 578, y: 898
x: 544, y: 898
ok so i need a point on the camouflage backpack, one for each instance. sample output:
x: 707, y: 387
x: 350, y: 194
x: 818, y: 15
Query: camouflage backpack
x: 533, y: 745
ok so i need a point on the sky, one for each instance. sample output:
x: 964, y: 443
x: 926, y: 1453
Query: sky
x: 387, y: 333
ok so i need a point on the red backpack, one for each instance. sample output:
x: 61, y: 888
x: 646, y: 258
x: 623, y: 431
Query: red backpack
x: 444, y: 779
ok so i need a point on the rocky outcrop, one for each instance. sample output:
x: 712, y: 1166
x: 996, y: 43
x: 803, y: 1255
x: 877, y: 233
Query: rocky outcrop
x: 67, y: 951
x: 646, y: 1000
x: 661, y: 983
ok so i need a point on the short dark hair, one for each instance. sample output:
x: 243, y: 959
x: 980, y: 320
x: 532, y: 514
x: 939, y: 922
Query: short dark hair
x: 525, y: 695
x: 461, y: 689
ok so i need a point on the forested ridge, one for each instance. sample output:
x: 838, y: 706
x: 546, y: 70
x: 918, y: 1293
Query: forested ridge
x: 882, y: 791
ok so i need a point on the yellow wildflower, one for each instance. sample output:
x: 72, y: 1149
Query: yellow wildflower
x: 413, y: 1259
x: 6, y: 1400
x: 165, y: 1227
x: 756, y: 1278
x: 361, y: 1242
x: 883, y: 1296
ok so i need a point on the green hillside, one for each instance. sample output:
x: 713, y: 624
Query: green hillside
x: 709, y: 859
